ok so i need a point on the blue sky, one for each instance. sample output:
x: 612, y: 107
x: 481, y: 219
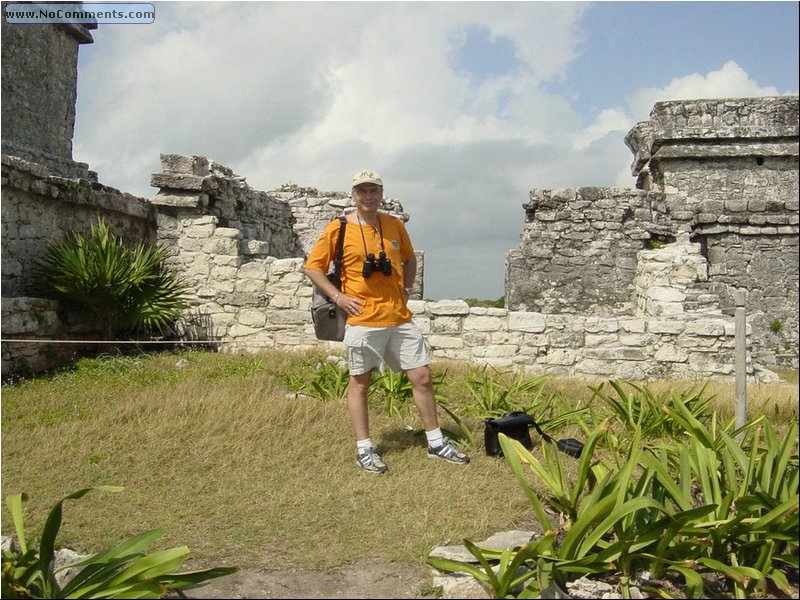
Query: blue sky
x: 463, y: 107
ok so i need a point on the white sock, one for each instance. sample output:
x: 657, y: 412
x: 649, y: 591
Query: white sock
x: 435, y: 437
x: 365, y: 444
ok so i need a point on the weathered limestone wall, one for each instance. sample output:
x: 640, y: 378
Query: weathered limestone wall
x: 191, y: 185
x: 721, y: 174
x: 728, y: 170
x: 579, y: 248
x: 253, y: 299
x: 634, y: 348
x: 39, y: 208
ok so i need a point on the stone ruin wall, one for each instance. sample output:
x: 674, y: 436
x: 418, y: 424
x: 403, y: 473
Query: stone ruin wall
x: 721, y: 175
x: 251, y: 294
x: 578, y: 253
x: 242, y: 250
x: 37, y: 208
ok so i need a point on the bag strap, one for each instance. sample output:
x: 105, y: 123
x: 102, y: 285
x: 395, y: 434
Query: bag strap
x: 339, y: 256
x: 538, y: 429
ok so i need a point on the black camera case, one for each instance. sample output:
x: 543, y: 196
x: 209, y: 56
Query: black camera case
x: 514, y: 425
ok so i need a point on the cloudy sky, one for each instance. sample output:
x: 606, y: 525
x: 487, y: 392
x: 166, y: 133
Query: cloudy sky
x: 463, y: 107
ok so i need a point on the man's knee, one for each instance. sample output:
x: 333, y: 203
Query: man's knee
x: 360, y: 383
x: 420, y: 377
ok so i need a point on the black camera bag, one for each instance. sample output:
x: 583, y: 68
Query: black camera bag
x: 514, y: 424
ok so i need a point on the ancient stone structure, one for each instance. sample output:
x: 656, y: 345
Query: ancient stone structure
x: 716, y: 211
x: 40, y: 85
x: 607, y: 282
x: 44, y: 191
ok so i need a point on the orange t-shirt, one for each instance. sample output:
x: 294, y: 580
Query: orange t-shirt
x: 382, y: 295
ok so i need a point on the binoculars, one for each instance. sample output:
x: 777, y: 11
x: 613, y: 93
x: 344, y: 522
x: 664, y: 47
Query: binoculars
x: 382, y: 265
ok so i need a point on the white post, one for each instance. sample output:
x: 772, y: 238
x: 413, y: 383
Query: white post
x: 740, y: 361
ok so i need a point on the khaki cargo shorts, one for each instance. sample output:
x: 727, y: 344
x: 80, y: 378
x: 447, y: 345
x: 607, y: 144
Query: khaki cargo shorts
x: 401, y: 347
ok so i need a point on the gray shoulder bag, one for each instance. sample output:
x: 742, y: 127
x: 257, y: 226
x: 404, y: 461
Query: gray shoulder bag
x: 329, y: 320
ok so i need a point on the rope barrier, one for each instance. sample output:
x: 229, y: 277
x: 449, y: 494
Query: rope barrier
x: 44, y: 341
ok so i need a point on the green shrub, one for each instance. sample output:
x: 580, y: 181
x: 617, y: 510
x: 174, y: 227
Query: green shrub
x: 124, y: 290
x: 707, y: 507
x: 125, y: 571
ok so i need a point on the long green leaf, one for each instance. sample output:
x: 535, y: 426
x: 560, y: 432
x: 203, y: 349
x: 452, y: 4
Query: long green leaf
x: 584, y: 465
x: 778, y: 514
x: 579, y: 529
x: 14, y: 503
x: 183, y: 579
x: 100, y: 566
x: 694, y: 583
x: 454, y: 566
x: 52, y: 526
x: 152, y: 565
x: 666, y: 480
x: 618, y: 514
x: 511, y: 452
x: 739, y: 574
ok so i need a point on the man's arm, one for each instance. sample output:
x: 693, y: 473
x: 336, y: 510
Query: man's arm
x: 409, y: 272
x: 320, y: 279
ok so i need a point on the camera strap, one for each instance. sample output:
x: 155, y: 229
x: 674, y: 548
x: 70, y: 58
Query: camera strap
x: 364, y: 239
x: 339, y: 256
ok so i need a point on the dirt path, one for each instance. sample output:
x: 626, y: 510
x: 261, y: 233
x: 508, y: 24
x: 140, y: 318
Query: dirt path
x: 360, y: 580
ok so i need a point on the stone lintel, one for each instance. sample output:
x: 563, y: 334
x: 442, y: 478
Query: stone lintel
x: 178, y: 199
x: 184, y: 164
x: 176, y: 181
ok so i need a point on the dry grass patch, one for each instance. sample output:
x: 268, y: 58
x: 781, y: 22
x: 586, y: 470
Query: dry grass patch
x: 231, y: 463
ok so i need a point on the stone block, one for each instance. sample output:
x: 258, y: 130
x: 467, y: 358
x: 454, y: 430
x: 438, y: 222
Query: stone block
x: 176, y: 181
x: 446, y: 325
x: 448, y: 307
x: 671, y: 353
x: 705, y: 328
x: 188, y: 165
x: 487, y: 323
x: 445, y: 341
x: 560, y: 356
x: 179, y: 199
x: 251, y: 318
x: 529, y: 322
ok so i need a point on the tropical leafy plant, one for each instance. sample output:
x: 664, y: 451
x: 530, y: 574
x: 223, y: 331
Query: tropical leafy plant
x: 496, y: 393
x: 125, y: 571
x: 396, y: 390
x: 329, y: 381
x: 706, y: 506
x: 126, y: 290
x: 636, y: 405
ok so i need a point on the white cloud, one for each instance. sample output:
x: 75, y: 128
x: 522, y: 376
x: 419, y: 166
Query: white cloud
x: 609, y: 120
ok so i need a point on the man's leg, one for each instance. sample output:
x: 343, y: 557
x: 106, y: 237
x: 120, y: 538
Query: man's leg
x: 439, y: 445
x: 367, y: 456
x: 357, y: 404
x: 422, y: 391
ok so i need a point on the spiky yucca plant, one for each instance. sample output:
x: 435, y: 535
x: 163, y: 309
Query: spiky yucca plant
x: 127, y: 290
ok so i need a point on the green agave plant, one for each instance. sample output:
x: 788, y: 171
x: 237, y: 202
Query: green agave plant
x: 127, y: 290
x: 703, y: 506
x: 124, y: 571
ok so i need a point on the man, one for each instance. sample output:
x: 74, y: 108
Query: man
x: 378, y: 271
